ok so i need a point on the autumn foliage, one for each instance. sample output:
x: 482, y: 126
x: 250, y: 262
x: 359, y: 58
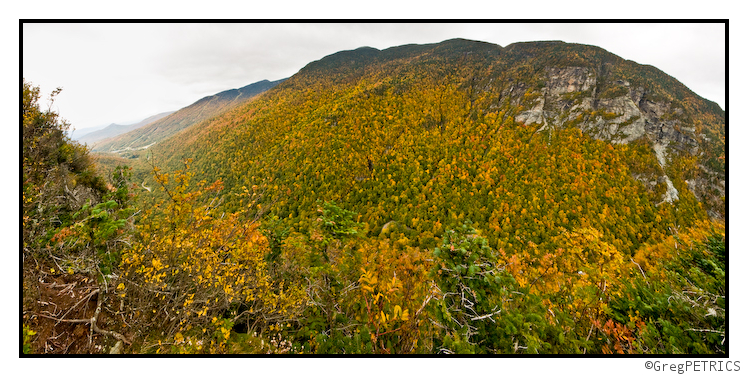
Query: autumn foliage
x: 192, y: 265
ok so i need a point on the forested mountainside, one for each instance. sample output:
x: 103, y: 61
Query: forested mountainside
x: 459, y: 197
x: 204, y: 108
x: 466, y: 121
x: 114, y: 129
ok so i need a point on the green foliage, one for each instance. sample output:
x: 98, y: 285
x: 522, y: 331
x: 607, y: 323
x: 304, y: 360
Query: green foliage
x: 472, y: 291
x: 74, y: 221
x: 678, y: 304
x: 337, y: 222
x: 275, y: 232
x: 58, y: 174
x: 575, y: 96
x: 27, y: 335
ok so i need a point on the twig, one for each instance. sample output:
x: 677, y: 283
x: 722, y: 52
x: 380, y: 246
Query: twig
x: 47, y: 304
x: 640, y: 268
x: 88, y: 296
x: 65, y: 320
x: 386, y: 332
x: 425, y: 302
x: 590, y: 333
x: 486, y: 316
x: 96, y: 328
x: 93, y: 321
x: 707, y: 330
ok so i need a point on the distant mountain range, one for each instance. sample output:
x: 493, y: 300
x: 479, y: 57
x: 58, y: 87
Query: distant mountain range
x: 114, y: 129
x: 145, y: 135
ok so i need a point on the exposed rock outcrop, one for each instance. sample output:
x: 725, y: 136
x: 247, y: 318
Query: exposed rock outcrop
x: 614, y: 111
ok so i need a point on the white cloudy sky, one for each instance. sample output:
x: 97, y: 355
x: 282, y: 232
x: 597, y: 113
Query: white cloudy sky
x: 125, y: 72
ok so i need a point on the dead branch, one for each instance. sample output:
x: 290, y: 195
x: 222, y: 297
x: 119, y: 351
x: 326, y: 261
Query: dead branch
x: 86, y: 298
x: 707, y: 330
x: 640, y: 268
x: 425, y: 302
x: 65, y: 320
x: 96, y: 328
x: 93, y: 320
x: 486, y: 316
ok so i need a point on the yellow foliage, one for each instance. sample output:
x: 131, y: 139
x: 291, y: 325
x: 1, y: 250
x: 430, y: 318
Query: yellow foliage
x: 204, y: 262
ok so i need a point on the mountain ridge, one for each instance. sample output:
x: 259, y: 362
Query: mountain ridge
x: 549, y: 86
x: 200, y: 110
x: 114, y: 129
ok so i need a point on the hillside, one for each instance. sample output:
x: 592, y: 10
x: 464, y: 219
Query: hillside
x: 204, y: 108
x: 114, y: 129
x: 356, y: 120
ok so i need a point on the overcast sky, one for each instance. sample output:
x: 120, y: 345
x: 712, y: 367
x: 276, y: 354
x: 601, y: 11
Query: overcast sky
x: 124, y: 72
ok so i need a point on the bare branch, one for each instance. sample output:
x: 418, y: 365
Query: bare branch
x: 640, y: 268
x: 65, y: 320
x: 707, y: 330
x: 486, y: 316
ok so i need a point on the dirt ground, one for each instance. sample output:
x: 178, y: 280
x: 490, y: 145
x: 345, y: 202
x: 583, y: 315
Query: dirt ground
x: 59, y: 307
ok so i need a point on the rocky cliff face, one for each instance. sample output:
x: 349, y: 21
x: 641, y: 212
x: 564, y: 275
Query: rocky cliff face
x: 572, y: 96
